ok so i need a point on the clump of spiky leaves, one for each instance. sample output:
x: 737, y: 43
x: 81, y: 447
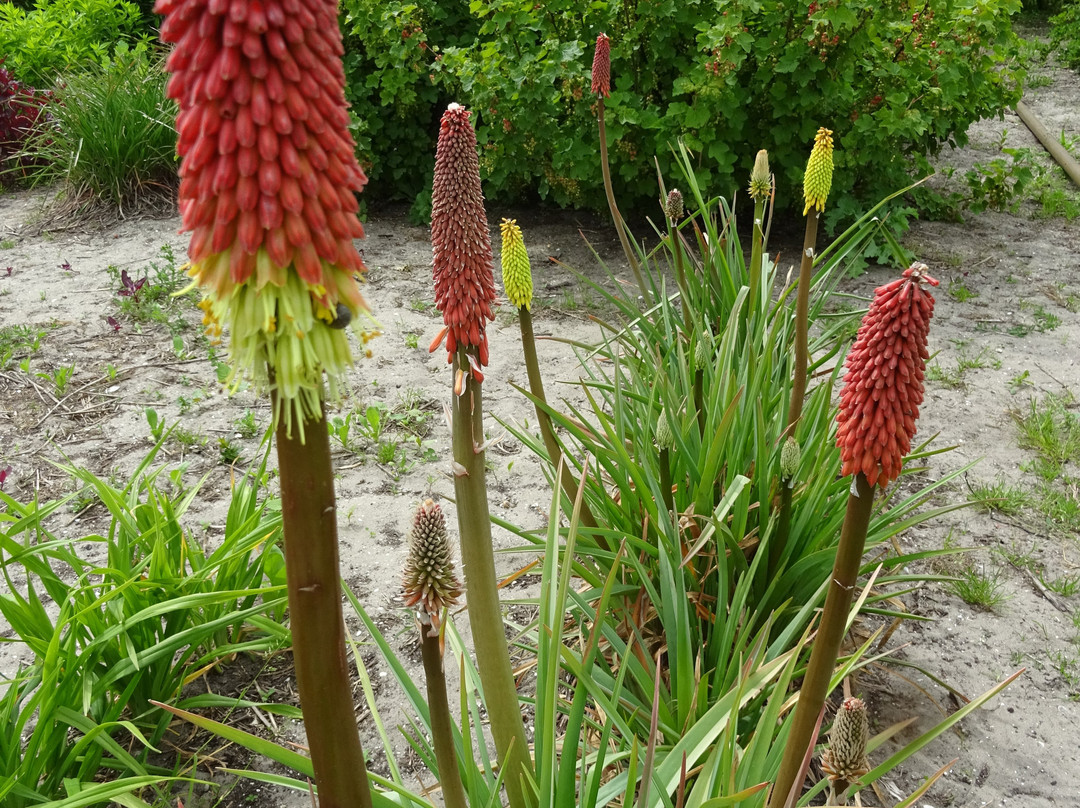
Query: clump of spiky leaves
x: 430, y: 583
x: 697, y: 570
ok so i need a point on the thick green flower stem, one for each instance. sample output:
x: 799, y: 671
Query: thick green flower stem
x: 442, y: 726
x: 620, y: 226
x: 815, y: 687
x: 802, y: 325
x: 547, y: 432
x: 756, y: 252
x: 481, y: 590
x: 699, y: 399
x: 665, y: 480
x: 680, y: 278
x: 783, y: 529
x: 318, y: 629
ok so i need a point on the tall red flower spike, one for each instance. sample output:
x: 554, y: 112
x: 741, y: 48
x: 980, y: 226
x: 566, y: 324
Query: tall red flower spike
x: 883, y: 386
x: 268, y: 183
x: 460, y: 240
x: 601, y: 67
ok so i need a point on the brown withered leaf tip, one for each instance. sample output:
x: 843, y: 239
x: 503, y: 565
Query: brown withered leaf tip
x: 883, y: 385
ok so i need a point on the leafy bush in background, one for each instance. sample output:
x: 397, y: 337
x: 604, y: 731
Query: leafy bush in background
x: 54, y: 37
x: 21, y: 107
x: 1065, y: 34
x: 112, y: 138
x: 729, y: 79
x: 391, y: 51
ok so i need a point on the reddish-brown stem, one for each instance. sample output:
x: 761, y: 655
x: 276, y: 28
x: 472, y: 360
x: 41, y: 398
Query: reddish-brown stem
x: 616, y: 217
x: 802, y: 325
x: 318, y: 628
x: 815, y: 687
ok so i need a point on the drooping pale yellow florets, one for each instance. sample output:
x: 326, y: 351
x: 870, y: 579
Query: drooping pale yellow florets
x: 819, y: 170
x: 760, y: 177
x: 516, y: 272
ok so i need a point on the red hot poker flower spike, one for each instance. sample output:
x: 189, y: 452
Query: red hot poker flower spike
x: 268, y: 178
x: 883, y: 386
x: 460, y: 240
x: 601, y: 67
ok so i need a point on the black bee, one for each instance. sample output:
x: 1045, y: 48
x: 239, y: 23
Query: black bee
x: 343, y: 318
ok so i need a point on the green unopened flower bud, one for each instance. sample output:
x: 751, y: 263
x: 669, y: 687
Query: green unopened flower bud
x: 845, y: 759
x: 760, y: 177
x: 430, y: 582
x: 790, y: 454
x: 665, y: 439
x: 673, y: 207
x: 516, y: 272
x: 703, y: 351
x: 819, y: 170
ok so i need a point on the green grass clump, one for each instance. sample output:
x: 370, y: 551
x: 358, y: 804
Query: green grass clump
x: 978, y: 588
x: 112, y: 139
x: 131, y: 628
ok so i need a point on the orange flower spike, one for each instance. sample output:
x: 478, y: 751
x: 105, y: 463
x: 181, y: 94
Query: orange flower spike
x: 883, y: 385
x: 601, y: 67
x: 460, y: 240
x: 261, y: 91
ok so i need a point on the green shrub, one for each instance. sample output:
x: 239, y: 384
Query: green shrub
x: 112, y: 138
x: 390, y: 52
x: 727, y: 78
x: 63, y: 35
x: 1065, y: 34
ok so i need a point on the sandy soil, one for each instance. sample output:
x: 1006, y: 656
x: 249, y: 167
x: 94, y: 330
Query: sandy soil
x: 1020, y: 750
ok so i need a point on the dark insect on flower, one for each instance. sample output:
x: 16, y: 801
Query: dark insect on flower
x: 130, y: 288
x: 113, y: 322
x: 343, y: 316
x: 4, y: 472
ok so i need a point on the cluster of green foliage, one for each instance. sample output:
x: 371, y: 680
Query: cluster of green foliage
x: 1065, y: 34
x: 894, y: 83
x: 112, y: 135
x: 392, y: 51
x: 58, y: 36
x: 139, y: 625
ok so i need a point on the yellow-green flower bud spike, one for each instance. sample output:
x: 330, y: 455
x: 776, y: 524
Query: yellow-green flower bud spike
x: 703, y: 351
x: 790, y: 455
x: 819, y: 170
x: 761, y: 177
x: 516, y: 272
x: 845, y: 759
x: 665, y: 439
